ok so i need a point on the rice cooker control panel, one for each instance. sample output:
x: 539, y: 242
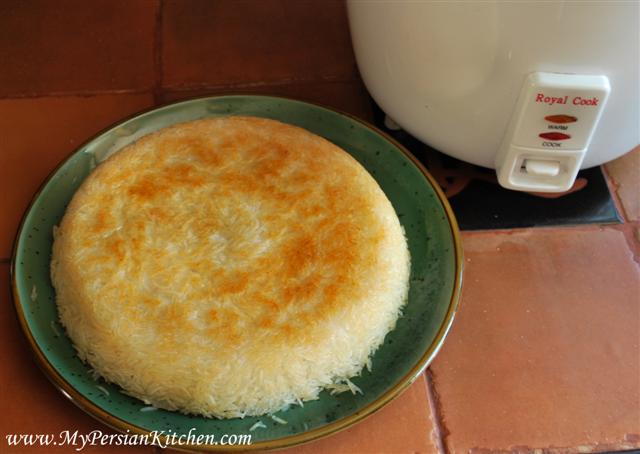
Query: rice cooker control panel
x: 550, y: 131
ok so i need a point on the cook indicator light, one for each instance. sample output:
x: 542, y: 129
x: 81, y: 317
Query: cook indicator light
x: 554, y: 136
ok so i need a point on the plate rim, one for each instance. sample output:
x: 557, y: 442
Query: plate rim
x: 333, y: 427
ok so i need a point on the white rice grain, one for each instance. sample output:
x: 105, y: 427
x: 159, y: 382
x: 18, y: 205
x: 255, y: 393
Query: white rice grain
x: 278, y: 420
x: 149, y: 408
x: 258, y: 425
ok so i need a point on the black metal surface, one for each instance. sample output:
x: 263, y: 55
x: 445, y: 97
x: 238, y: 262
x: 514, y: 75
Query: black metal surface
x: 482, y: 205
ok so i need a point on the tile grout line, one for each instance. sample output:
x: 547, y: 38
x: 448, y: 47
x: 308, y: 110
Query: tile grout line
x: 253, y: 84
x: 76, y: 94
x: 613, y: 190
x: 513, y: 230
x: 158, y: 74
x: 157, y: 86
x: 630, y: 230
x: 440, y: 431
x: 627, y: 227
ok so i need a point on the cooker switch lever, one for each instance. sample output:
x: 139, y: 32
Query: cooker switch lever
x: 542, y: 168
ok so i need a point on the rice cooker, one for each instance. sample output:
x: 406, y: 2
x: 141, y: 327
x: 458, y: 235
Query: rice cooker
x: 536, y: 90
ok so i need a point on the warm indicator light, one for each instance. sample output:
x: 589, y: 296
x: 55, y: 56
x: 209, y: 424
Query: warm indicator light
x: 560, y: 119
x: 554, y: 136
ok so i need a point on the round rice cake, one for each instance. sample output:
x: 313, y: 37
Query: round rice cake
x: 229, y: 266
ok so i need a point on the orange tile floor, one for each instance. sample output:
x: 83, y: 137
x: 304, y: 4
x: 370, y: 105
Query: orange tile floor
x: 544, y: 355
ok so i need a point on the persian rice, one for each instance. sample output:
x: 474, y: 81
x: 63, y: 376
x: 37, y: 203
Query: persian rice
x: 229, y: 266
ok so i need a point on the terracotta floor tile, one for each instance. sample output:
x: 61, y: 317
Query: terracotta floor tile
x: 29, y: 403
x: 216, y: 43
x: 73, y: 46
x: 36, y: 134
x: 404, y: 426
x: 625, y: 173
x: 349, y: 96
x: 544, y: 352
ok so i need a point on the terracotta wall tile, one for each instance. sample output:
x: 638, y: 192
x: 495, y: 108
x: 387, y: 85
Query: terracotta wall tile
x: 544, y: 352
x: 625, y: 173
x: 29, y: 403
x: 219, y: 43
x: 75, y: 46
x: 36, y: 134
x: 348, y: 96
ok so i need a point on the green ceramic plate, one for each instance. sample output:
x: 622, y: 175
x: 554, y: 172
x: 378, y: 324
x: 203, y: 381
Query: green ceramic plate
x: 435, y: 278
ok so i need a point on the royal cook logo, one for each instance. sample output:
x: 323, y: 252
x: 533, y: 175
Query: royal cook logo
x: 563, y: 100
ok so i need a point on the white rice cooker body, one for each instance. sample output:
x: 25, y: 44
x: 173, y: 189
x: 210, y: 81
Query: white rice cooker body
x: 478, y: 80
